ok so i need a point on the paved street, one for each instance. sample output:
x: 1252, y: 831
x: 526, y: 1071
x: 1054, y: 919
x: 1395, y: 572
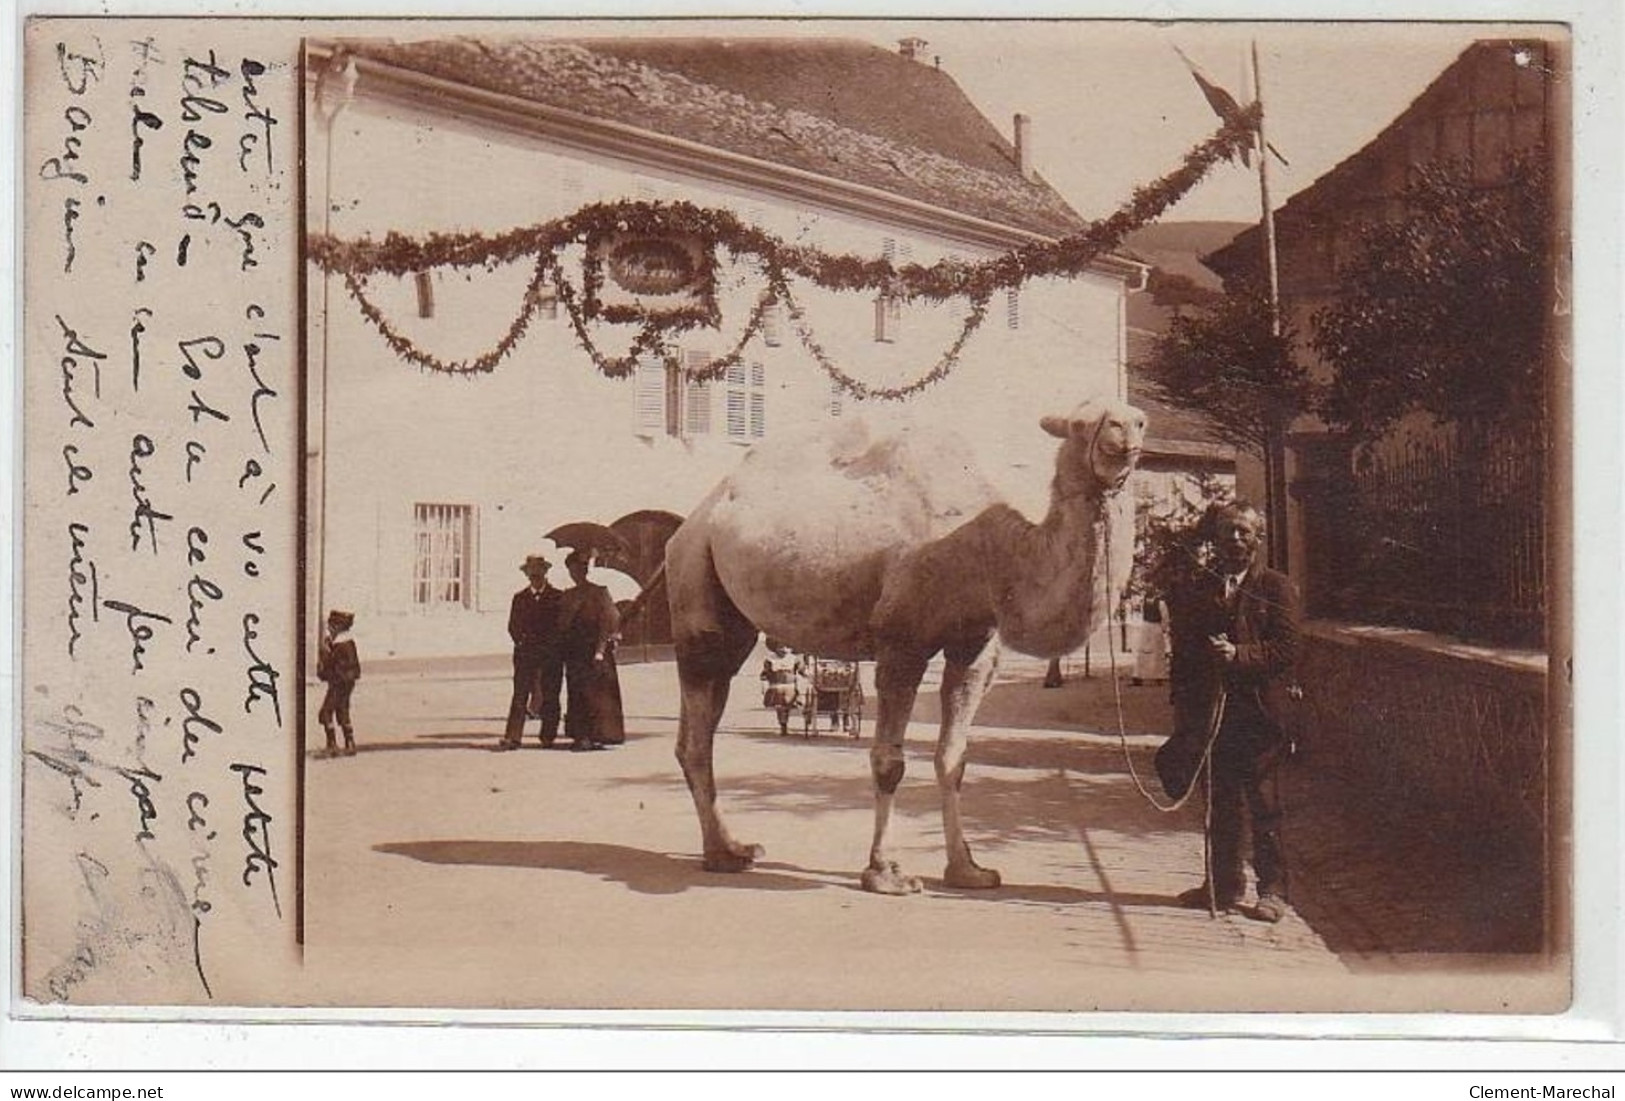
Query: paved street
x: 439, y: 873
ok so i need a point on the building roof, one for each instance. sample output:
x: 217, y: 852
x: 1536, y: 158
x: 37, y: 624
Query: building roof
x: 1171, y: 432
x: 846, y: 110
x: 1352, y: 172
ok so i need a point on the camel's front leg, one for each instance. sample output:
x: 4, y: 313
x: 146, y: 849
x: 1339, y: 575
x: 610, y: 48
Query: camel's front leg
x: 897, y: 679
x: 965, y: 680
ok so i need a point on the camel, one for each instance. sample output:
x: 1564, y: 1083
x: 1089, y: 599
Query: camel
x: 878, y: 545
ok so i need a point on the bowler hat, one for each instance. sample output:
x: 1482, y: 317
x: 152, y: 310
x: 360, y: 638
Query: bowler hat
x: 535, y: 562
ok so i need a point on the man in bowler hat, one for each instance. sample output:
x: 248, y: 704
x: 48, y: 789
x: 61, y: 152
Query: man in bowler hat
x: 538, y: 658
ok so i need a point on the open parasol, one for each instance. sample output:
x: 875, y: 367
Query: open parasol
x: 602, y: 541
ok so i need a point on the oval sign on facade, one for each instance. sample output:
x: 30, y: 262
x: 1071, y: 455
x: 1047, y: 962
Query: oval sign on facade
x: 650, y: 265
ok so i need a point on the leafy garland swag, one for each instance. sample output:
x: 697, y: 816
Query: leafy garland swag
x: 398, y: 255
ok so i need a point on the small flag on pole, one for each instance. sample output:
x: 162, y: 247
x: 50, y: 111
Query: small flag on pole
x: 1223, y: 103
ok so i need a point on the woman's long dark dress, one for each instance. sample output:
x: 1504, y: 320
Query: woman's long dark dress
x: 591, y: 624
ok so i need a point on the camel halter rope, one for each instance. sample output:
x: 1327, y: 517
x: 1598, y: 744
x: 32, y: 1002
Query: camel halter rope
x: 1202, y: 768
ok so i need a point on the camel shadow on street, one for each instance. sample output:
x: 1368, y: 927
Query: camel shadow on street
x: 1018, y: 790
x: 639, y: 870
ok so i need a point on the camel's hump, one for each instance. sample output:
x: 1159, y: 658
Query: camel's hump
x: 925, y: 475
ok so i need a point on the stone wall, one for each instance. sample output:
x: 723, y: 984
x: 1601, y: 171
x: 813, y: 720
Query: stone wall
x: 1435, y: 756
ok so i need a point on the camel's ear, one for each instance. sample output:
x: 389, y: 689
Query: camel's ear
x: 1076, y: 423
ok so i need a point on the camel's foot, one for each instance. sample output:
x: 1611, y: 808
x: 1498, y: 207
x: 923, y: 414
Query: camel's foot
x: 970, y: 876
x: 735, y: 858
x: 888, y: 879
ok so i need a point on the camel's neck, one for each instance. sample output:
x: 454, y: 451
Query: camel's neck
x: 1051, y: 588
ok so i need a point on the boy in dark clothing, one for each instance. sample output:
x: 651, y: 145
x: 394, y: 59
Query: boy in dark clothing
x: 339, y: 667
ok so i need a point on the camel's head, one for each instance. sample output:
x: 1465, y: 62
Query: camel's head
x: 1104, y: 439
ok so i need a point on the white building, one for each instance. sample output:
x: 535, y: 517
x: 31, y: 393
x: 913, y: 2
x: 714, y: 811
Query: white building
x: 427, y: 490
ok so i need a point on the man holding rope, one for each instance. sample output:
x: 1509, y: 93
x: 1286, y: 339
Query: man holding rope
x: 1235, y: 636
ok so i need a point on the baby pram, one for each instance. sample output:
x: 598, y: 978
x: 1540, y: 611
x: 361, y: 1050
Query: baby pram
x: 834, y: 689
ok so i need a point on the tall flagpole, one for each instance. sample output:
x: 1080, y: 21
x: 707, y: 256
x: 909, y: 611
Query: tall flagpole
x: 1274, y: 449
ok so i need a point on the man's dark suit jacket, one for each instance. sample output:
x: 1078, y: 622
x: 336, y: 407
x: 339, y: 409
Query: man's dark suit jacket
x: 533, y: 620
x: 1264, y: 627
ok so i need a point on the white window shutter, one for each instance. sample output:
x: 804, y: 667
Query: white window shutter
x: 649, y: 398
x: 697, y: 396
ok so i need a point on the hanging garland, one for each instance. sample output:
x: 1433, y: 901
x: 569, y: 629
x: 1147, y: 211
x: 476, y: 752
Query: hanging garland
x: 651, y: 339
x: 858, y: 389
x: 484, y: 363
x: 398, y: 255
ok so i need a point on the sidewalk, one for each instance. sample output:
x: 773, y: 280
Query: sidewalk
x: 440, y: 874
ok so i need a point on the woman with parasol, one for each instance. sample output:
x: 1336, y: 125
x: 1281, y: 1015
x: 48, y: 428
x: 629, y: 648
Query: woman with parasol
x: 590, y: 626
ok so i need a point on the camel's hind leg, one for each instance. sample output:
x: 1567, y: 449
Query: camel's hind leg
x: 712, y: 641
x: 965, y: 680
x: 897, y: 680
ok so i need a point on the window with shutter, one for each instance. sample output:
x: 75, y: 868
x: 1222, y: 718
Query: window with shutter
x: 888, y: 318
x: 1012, y: 307
x: 649, y: 398
x: 746, y: 401
x: 773, y: 325
x: 837, y: 398
x: 736, y: 402
x: 696, y: 396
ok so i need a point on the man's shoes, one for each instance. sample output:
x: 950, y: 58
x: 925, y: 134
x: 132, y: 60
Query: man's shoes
x: 547, y: 743
x: 1196, y: 898
x: 585, y: 747
x: 503, y: 747
x: 1270, y: 908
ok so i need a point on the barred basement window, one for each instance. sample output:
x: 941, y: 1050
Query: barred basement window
x: 837, y: 398
x: 443, y: 560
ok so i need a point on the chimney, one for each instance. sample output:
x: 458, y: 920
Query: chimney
x: 1024, y: 146
x: 911, y: 47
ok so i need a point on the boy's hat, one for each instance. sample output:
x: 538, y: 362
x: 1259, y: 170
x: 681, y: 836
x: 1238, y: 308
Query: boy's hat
x: 340, y: 621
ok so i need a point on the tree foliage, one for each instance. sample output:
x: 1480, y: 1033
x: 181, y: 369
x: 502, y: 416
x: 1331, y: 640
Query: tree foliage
x: 1178, y: 292
x: 1443, y: 309
x: 1173, y: 545
x: 1224, y: 363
